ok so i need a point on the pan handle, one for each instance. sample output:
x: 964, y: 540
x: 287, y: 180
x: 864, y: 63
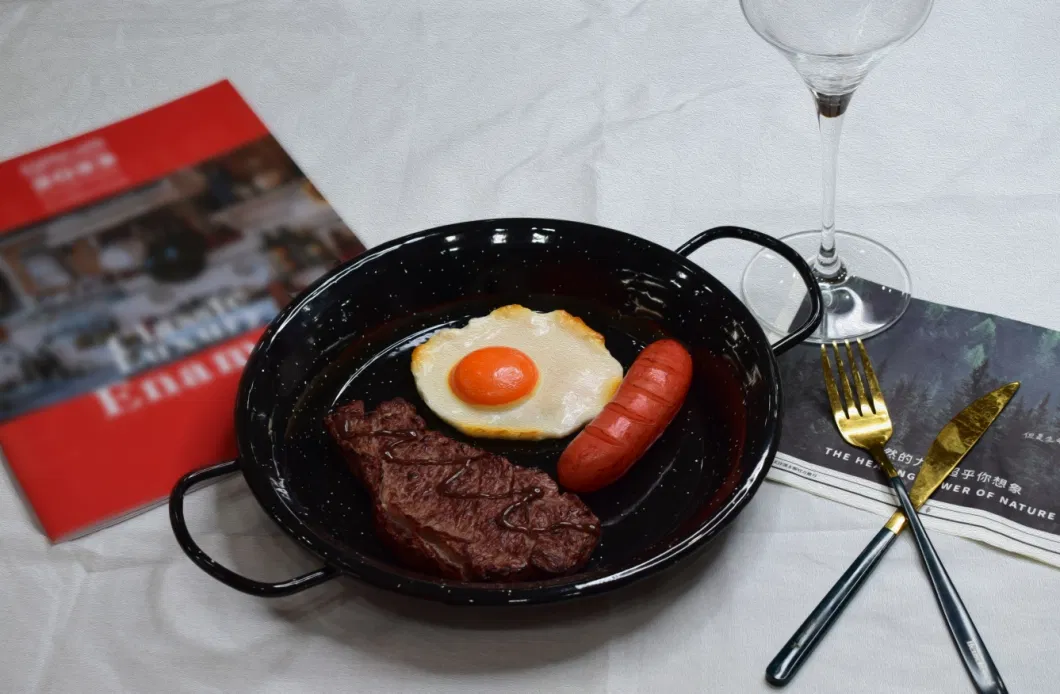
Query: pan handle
x: 204, y: 562
x: 783, y: 250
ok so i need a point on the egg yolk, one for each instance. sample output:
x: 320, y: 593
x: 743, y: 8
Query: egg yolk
x: 493, y: 376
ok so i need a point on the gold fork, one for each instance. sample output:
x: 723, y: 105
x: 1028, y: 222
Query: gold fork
x: 864, y: 422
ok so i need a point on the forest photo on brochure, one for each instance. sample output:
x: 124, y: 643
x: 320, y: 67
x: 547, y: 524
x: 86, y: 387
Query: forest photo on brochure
x: 1006, y: 491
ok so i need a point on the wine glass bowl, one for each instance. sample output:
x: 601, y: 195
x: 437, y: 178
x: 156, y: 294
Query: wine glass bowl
x: 833, y: 44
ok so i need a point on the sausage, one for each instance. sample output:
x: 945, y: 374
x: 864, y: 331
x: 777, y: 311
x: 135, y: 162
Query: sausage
x: 647, y: 400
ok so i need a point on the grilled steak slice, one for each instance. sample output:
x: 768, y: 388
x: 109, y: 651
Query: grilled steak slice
x: 450, y: 509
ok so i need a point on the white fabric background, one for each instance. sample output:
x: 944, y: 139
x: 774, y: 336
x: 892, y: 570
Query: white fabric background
x: 661, y: 117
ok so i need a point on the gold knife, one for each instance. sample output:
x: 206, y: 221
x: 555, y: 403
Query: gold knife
x: 950, y: 446
x: 947, y: 450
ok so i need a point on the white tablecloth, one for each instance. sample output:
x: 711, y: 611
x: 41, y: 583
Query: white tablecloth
x: 660, y: 117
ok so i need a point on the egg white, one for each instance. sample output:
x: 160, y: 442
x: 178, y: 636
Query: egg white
x: 577, y: 376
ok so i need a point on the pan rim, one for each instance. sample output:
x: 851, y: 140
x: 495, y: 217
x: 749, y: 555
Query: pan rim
x: 397, y: 579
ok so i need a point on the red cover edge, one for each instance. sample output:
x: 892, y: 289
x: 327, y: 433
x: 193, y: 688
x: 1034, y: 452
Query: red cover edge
x: 149, y: 145
x: 106, y: 453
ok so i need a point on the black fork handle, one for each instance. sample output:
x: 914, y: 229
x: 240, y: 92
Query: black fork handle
x: 801, y: 644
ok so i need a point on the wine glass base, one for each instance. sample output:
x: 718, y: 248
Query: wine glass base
x: 869, y: 298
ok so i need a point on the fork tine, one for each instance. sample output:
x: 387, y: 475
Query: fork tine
x: 848, y: 394
x: 863, y: 400
x: 829, y: 385
x: 874, y: 385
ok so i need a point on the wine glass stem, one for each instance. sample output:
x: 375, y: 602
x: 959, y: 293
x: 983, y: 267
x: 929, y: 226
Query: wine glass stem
x: 831, y: 110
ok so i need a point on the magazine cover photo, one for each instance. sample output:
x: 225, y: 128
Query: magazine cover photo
x: 158, y: 272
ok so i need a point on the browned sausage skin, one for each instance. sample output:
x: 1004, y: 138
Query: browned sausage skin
x: 650, y: 396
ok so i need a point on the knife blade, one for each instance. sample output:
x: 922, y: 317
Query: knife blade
x: 951, y: 445
x: 947, y: 450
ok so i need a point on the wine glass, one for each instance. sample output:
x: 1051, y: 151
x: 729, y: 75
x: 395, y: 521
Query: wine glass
x: 832, y: 44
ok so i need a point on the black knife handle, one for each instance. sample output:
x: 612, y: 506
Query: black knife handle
x: 973, y: 651
x: 791, y: 657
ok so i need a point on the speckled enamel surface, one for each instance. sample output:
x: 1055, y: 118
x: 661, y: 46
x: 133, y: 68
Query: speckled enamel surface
x: 350, y: 337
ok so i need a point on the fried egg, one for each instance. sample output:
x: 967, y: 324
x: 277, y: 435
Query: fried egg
x: 517, y: 374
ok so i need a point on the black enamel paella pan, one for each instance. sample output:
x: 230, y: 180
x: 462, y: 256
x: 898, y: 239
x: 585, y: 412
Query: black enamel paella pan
x: 350, y: 335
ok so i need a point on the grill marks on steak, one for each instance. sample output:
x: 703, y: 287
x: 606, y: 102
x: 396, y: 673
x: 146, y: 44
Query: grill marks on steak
x: 450, y: 509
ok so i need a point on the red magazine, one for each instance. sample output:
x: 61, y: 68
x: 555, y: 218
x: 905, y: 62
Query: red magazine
x: 139, y: 263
